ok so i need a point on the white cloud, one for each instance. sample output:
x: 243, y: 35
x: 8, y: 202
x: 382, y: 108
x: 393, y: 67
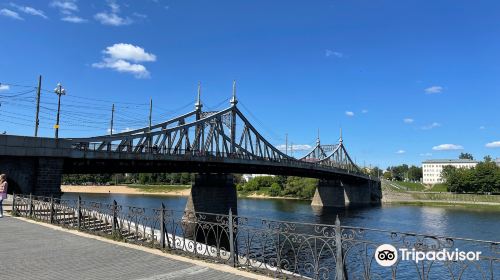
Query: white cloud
x: 11, y: 14
x: 68, y: 8
x: 447, y: 147
x: 73, y: 19
x: 4, y: 87
x: 118, y: 57
x: 400, y: 152
x: 65, y: 7
x: 30, y: 10
x: 426, y: 154
x: 298, y: 147
x: 494, y: 144
x: 364, y: 111
x: 434, y: 89
x: 139, y: 15
x: 329, y: 53
x: 112, y: 18
x: 349, y: 113
x: 431, y: 126
x: 408, y: 120
x: 125, y: 130
x: 482, y: 127
x: 129, y: 52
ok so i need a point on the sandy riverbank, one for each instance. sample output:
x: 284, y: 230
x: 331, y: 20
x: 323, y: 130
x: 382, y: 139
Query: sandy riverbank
x: 120, y: 190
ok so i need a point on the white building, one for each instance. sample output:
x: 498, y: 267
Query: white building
x: 431, y: 169
x: 498, y: 161
x: 247, y: 177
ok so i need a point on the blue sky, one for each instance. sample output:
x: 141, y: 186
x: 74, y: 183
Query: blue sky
x: 406, y: 80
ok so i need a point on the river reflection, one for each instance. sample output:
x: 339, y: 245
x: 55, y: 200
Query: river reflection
x: 446, y: 221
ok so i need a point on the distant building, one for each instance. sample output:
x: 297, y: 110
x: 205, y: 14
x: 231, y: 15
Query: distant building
x: 497, y: 161
x: 431, y: 169
x: 247, y: 177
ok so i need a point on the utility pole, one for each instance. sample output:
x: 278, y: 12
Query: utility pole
x: 150, y: 112
x: 37, y: 121
x: 286, y: 144
x: 59, y: 90
x: 112, y: 118
x: 150, y: 120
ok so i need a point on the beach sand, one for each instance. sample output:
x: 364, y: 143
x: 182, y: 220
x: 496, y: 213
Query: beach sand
x: 120, y: 190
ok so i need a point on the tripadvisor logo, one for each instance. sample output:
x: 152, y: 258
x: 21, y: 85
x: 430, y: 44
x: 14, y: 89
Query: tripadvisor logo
x: 387, y: 255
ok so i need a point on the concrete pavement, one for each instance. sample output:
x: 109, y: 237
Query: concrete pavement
x: 30, y: 250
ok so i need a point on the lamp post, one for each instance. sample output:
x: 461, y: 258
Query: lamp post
x: 59, y: 90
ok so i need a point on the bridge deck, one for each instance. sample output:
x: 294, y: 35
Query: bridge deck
x: 33, y: 251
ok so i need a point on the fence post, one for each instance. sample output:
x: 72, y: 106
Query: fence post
x: 13, y: 204
x: 51, y: 209
x: 79, y: 212
x: 339, y: 264
x: 30, y: 206
x: 162, y: 226
x: 232, y: 258
x: 113, y: 226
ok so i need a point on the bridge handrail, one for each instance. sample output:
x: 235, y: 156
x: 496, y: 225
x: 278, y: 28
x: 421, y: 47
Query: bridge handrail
x: 328, y: 250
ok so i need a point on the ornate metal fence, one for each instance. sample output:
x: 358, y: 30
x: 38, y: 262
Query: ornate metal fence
x: 277, y: 248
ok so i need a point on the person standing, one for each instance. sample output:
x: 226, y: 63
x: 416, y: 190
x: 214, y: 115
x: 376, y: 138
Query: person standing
x: 3, y: 191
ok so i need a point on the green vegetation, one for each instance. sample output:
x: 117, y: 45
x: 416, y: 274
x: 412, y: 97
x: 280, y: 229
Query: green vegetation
x: 439, y: 188
x: 466, y: 156
x: 403, y: 172
x: 484, y: 178
x: 410, y: 186
x: 129, y: 178
x: 279, y: 186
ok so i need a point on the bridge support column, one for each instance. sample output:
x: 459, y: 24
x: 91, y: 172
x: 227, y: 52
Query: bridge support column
x: 40, y: 176
x: 341, y: 193
x: 48, y: 177
x: 329, y: 193
x: 210, y: 193
x: 213, y: 193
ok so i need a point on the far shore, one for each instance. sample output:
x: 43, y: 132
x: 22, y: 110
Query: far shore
x: 121, y: 189
x: 124, y: 189
x: 388, y: 197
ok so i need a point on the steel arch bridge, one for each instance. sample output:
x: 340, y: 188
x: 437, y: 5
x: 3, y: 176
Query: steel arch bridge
x: 223, y: 137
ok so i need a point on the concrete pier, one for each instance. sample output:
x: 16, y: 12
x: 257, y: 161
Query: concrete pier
x: 213, y: 193
x: 39, y: 176
x: 342, y: 193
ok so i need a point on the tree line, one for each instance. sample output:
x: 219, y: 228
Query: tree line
x: 280, y: 186
x: 483, y: 178
x: 129, y: 178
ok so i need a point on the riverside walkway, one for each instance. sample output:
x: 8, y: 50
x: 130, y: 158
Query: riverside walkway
x: 29, y: 250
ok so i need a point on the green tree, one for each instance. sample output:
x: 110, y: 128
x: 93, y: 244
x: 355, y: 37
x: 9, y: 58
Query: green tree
x: 414, y: 173
x: 466, y: 156
x: 388, y: 175
x: 375, y: 172
x: 275, y: 189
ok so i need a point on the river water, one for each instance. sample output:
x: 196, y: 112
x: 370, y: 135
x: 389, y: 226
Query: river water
x: 474, y: 223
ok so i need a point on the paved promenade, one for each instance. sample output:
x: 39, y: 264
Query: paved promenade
x: 34, y: 251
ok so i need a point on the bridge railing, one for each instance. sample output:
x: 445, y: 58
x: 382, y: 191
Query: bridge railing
x: 278, y: 248
x: 165, y: 151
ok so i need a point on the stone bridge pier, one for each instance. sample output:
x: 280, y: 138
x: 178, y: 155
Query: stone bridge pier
x: 210, y: 193
x: 36, y: 175
x: 213, y: 193
x: 342, y: 193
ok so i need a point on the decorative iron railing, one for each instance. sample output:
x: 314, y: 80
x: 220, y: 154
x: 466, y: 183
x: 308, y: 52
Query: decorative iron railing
x: 277, y: 248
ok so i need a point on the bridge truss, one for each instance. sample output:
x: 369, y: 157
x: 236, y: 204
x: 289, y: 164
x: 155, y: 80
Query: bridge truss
x: 223, y: 134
